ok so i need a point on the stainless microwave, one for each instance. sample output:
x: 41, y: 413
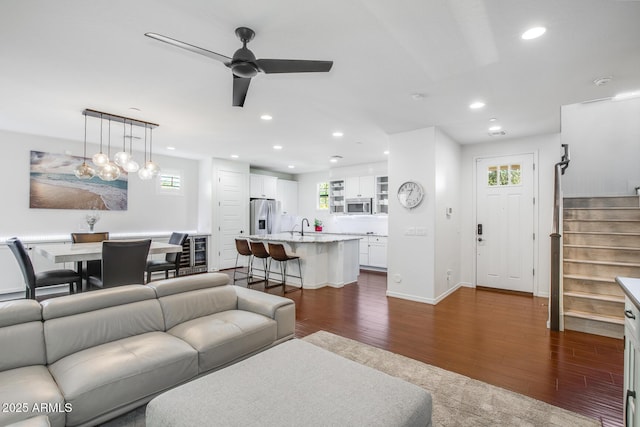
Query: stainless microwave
x: 359, y: 206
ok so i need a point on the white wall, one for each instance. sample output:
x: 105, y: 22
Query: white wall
x: 447, y: 227
x: 148, y: 211
x: 604, y: 140
x: 548, y: 151
x: 411, y: 258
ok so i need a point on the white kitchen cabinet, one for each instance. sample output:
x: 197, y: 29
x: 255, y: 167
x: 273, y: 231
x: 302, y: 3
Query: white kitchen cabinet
x: 378, y: 251
x: 336, y: 196
x: 631, y: 363
x: 263, y: 186
x: 359, y: 186
x: 288, y: 196
x: 381, y: 202
x: 373, y: 252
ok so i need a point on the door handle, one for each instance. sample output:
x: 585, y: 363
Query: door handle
x: 479, y: 239
x: 630, y: 394
x: 629, y: 314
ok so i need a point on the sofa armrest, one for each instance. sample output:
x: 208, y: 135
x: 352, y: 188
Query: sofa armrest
x: 282, y: 310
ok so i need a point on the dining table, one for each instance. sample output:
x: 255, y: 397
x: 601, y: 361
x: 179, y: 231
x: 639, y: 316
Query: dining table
x: 80, y: 253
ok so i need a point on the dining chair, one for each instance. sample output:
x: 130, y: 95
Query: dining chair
x: 171, y: 260
x: 279, y: 254
x: 35, y: 280
x: 93, y: 267
x: 123, y: 263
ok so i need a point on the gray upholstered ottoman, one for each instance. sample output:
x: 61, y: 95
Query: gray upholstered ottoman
x: 293, y: 384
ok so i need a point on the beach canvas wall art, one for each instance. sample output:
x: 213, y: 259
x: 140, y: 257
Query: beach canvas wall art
x: 55, y: 186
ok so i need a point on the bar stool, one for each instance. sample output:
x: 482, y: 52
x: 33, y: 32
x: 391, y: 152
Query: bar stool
x: 242, y: 246
x: 259, y: 251
x: 278, y: 253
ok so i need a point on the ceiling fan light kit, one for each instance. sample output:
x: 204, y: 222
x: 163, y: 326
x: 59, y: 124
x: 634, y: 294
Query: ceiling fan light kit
x: 108, y: 170
x: 244, y: 65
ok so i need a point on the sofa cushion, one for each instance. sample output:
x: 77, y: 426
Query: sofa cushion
x: 126, y: 311
x: 19, y: 311
x: 21, y: 338
x: 39, y: 421
x: 182, y: 307
x: 34, y: 387
x: 224, y: 337
x: 103, y: 378
x: 178, y: 285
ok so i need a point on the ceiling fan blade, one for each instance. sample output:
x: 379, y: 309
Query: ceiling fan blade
x: 224, y: 59
x: 293, y: 66
x: 240, y: 88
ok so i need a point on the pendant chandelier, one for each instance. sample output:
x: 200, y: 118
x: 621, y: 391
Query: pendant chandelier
x: 123, y: 161
x: 84, y: 171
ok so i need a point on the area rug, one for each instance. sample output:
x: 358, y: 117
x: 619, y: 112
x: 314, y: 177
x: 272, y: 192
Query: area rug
x: 457, y: 400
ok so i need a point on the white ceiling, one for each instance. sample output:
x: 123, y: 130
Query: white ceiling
x: 60, y: 57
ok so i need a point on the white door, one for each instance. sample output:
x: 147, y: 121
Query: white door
x: 233, y: 205
x: 505, y: 228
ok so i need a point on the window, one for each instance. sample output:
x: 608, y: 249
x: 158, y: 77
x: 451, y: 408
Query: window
x: 323, y: 195
x: 504, y: 175
x: 169, y: 183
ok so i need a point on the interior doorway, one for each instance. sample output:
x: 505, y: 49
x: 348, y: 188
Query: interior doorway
x: 505, y: 231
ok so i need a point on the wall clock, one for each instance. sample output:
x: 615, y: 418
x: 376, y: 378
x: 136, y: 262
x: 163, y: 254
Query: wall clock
x: 410, y: 194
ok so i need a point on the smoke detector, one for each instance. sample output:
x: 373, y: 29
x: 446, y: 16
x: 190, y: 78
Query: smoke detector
x: 602, y: 81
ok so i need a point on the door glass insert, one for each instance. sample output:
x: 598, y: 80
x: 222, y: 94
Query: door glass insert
x: 504, y: 175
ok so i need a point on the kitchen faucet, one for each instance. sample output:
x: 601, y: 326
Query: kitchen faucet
x: 302, y: 226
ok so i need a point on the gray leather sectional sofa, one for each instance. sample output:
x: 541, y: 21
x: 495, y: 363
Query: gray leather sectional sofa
x: 85, y: 358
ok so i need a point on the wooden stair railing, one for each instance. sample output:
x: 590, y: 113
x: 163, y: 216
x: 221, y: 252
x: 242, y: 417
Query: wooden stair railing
x: 554, y: 303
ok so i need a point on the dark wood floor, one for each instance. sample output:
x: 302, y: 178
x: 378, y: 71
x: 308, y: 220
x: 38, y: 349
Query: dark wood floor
x: 495, y: 337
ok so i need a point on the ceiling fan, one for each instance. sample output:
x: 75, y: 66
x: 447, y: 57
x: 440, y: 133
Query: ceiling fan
x: 244, y: 64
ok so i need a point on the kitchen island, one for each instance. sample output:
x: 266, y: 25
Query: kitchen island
x: 327, y: 259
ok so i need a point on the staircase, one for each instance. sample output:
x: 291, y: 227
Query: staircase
x: 601, y: 240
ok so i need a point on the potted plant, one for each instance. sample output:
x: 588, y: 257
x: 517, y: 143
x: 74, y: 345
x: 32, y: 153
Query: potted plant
x: 318, y: 224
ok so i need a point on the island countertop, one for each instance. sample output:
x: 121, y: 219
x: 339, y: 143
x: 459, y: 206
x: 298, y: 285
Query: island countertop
x: 309, y: 238
x: 631, y: 288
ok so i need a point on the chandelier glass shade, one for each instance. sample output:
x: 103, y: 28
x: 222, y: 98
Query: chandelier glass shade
x: 123, y: 161
x: 84, y: 171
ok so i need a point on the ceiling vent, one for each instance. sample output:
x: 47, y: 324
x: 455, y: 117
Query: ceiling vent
x: 497, y: 133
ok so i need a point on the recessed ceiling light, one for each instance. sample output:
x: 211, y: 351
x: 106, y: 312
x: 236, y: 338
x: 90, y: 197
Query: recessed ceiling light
x: 266, y: 117
x: 171, y: 148
x: 386, y: 151
x: 418, y: 96
x: 291, y: 166
x: 495, y: 128
x: 134, y: 109
x: 338, y: 134
x: 234, y: 156
x: 334, y: 159
x: 277, y: 147
x: 533, y: 33
x: 476, y: 105
x: 493, y: 119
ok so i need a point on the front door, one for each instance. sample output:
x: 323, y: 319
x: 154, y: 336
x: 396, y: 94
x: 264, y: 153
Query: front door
x: 505, y: 222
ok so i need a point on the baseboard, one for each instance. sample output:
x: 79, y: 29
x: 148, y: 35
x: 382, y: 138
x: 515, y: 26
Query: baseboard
x: 410, y: 297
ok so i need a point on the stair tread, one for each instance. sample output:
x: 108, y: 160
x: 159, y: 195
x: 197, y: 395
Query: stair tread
x: 622, y: 248
x: 598, y: 317
x: 607, y: 208
x: 602, y: 233
x: 615, y: 263
x: 599, y: 297
x: 593, y: 278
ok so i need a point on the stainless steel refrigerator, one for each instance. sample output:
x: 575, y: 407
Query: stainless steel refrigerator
x: 264, y: 216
